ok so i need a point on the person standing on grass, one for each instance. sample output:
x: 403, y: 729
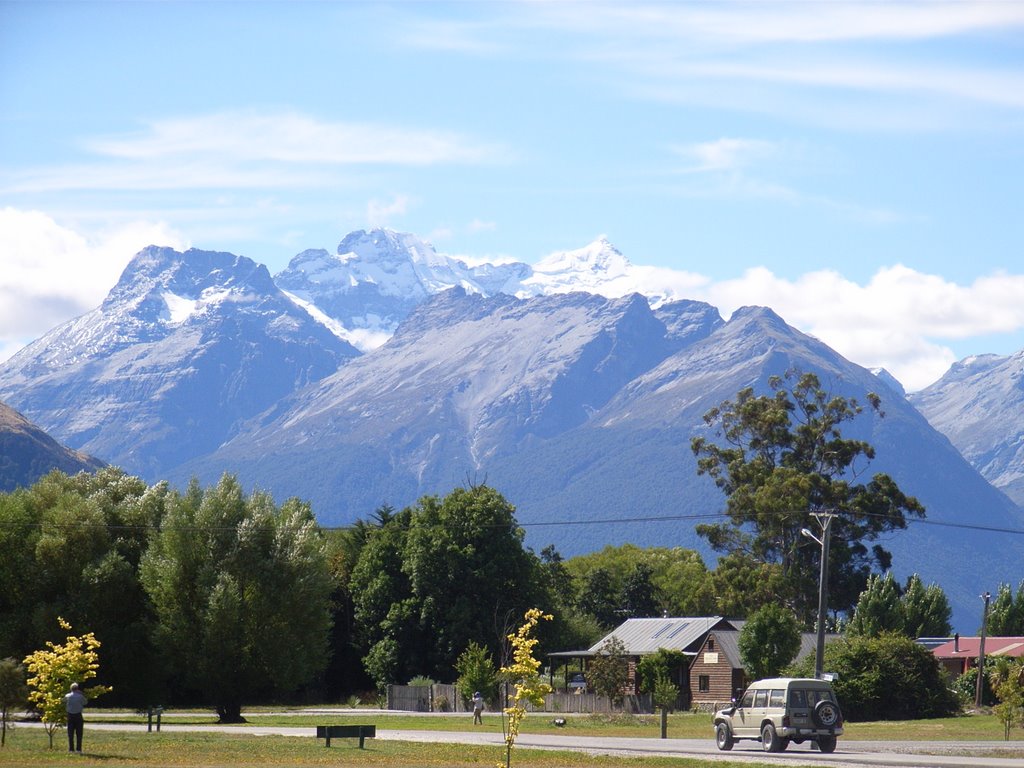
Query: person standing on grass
x: 74, y: 703
x: 478, y: 707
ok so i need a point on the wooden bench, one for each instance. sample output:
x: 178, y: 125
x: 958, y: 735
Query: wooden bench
x: 360, y: 732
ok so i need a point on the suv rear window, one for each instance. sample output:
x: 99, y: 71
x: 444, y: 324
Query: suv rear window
x: 800, y: 697
x: 778, y: 698
x: 762, y: 698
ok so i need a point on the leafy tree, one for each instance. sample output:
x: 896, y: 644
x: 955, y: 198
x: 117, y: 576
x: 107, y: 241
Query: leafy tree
x: 523, y: 672
x: 345, y: 671
x: 878, y: 608
x: 608, y: 671
x: 926, y: 610
x: 571, y: 627
x: 666, y: 694
x: 13, y: 692
x: 73, y: 545
x: 784, y: 457
x: 887, y: 675
x: 768, y: 641
x: 916, y: 611
x: 55, y: 668
x: 599, y: 597
x: 663, y: 663
x: 625, y: 581
x: 452, y: 570
x: 742, y: 584
x: 1006, y: 614
x: 477, y: 673
x: 382, y: 599
x: 965, y: 686
x: 1008, y: 682
x: 241, y: 589
x: 640, y: 598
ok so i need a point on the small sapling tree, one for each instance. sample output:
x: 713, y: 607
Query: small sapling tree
x: 524, y: 674
x: 55, y: 668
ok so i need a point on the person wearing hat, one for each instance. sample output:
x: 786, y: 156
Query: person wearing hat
x: 74, y: 703
x: 478, y: 707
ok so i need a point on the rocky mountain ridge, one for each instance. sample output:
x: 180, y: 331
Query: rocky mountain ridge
x: 27, y: 453
x: 578, y: 406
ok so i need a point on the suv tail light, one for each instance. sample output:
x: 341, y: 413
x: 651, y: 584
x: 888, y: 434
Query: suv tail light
x: 785, y: 721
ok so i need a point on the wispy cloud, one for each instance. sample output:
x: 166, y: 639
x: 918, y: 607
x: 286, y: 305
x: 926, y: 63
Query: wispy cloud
x: 789, y: 22
x: 247, y: 150
x: 725, y: 154
x: 782, y: 58
x: 291, y: 137
x: 380, y: 214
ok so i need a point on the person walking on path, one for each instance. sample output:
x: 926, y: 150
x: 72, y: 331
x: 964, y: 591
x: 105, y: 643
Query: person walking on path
x: 478, y: 707
x: 74, y: 703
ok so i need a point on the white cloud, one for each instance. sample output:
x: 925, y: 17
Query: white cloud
x: 900, y: 320
x: 380, y: 214
x: 786, y: 22
x: 723, y: 154
x: 247, y: 150
x: 292, y: 138
x: 51, y: 273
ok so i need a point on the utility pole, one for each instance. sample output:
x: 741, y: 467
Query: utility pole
x: 825, y: 521
x: 981, y: 654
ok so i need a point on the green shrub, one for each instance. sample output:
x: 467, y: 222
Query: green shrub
x: 888, y: 677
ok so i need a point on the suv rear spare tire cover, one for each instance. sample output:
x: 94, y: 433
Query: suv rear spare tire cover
x: 826, y: 714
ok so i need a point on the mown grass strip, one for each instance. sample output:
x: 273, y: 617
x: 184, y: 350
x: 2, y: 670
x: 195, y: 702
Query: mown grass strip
x: 681, y: 725
x: 28, y: 748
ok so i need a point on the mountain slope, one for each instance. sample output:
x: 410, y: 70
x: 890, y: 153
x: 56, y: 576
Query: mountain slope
x: 465, y: 381
x: 632, y: 461
x: 979, y: 405
x: 184, y: 347
x: 581, y: 409
x: 27, y: 453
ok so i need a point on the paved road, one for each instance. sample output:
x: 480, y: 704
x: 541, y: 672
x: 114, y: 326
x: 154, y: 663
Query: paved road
x: 849, y: 754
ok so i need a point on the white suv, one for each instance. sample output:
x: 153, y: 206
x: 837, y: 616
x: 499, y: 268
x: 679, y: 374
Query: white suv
x: 780, y: 710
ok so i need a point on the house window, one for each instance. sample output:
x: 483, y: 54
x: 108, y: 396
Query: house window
x: 703, y: 683
x: 711, y: 643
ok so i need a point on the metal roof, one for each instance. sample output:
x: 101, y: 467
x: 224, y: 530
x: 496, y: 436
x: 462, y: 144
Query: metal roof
x: 969, y: 647
x: 645, y: 636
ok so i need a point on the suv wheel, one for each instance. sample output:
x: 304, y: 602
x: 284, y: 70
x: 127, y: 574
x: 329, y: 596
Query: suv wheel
x: 723, y: 737
x: 770, y: 741
x: 826, y: 714
x: 827, y: 744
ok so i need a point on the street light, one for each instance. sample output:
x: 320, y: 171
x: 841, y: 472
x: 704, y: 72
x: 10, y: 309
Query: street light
x: 825, y: 521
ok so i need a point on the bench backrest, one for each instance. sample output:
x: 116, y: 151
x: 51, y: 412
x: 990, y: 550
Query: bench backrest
x: 346, y: 731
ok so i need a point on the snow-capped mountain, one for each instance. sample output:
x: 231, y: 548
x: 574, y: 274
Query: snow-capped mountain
x: 578, y: 407
x: 184, y: 346
x: 979, y: 405
x: 27, y: 453
x: 377, y: 278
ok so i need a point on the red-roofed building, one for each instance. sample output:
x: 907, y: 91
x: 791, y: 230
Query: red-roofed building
x: 961, y: 653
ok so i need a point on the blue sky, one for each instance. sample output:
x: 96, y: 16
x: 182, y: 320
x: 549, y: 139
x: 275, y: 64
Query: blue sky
x: 859, y: 167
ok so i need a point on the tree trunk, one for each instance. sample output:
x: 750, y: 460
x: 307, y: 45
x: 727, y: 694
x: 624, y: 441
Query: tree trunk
x: 664, y: 722
x: 230, y: 713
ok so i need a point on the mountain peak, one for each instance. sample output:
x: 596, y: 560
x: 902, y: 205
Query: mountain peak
x: 600, y: 259
x: 386, y: 245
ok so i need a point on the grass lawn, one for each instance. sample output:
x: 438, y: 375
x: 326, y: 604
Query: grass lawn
x: 29, y: 747
x: 683, y: 725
